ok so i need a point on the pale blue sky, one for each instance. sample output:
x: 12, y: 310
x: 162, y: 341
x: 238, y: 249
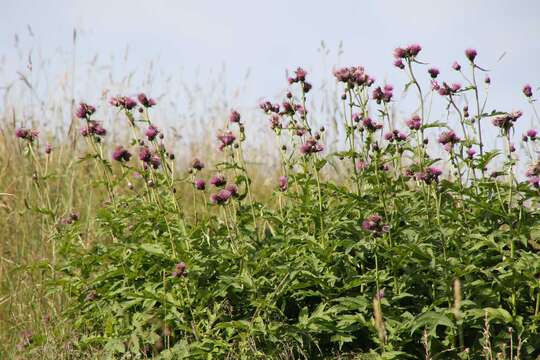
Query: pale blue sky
x: 268, y: 37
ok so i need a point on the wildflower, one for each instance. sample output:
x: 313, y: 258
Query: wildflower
x: 433, y: 72
x: 218, y: 180
x: 371, y: 125
x: 234, y: 116
x: 148, y: 158
x: 275, y: 122
x: 121, y: 154
x: 146, y: 101
x: 456, y: 66
x: 27, y: 134
x: 233, y: 189
x: 414, y: 123
x: 200, y: 184
x: 361, y: 165
x: 532, y: 134
x: 471, y: 54
x: 226, y: 138
x: 283, y: 183
x: 383, y: 95
x: 179, y: 270
x: 197, y: 164
x: 448, y: 139
x: 221, y: 197
x: 306, y: 87
x: 505, y: 122
x: 487, y: 80
x: 354, y: 75
x: 527, y: 90
x: 268, y: 107
x: 429, y: 175
x: 399, y: 64
x: 374, y: 224
x: 151, y: 132
x: 93, y: 127
x: 471, y: 152
x: 534, y: 181
x: 84, y: 111
x: 123, y: 102
x: 446, y: 89
x: 410, y: 51
x: 48, y: 149
x: 311, y: 146
x: 300, y: 74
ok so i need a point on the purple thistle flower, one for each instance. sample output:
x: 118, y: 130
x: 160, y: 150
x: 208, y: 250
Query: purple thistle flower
x: 121, y: 154
x: 283, y: 183
x: 233, y: 189
x: 221, y: 197
x: 146, y: 101
x: 218, y: 180
x: 532, y: 134
x: 275, y: 122
x: 527, y: 90
x: 300, y: 74
x: 155, y: 161
x: 433, y: 72
x: 27, y: 134
x: 93, y: 127
x: 145, y: 154
x: 200, y: 184
x: 226, y: 138
x: 311, y: 146
x: 414, y: 123
x: 123, y: 102
x: 448, y: 139
x: 534, y: 181
x: 48, y: 149
x: 197, y: 164
x: 371, y: 125
x: 487, y: 80
x: 234, y: 116
x: 431, y: 174
x: 505, y: 122
x: 399, y: 64
x: 456, y: 66
x: 151, y: 132
x: 374, y: 224
x: 471, y: 152
x: 306, y: 87
x: 414, y: 49
x: 471, y: 54
x: 179, y: 270
x: 400, y: 53
x: 84, y: 111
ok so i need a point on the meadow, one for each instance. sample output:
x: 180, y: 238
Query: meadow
x: 332, y: 228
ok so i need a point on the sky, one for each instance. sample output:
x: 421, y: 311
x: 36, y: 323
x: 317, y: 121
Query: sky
x: 267, y: 38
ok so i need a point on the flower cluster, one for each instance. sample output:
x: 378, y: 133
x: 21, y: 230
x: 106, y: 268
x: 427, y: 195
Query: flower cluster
x: 409, y: 53
x: 383, y: 95
x: 506, y: 122
x: 374, y: 224
x: 395, y: 136
x: 354, y: 75
x: 448, y: 139
x: 85, y: 111
x: 180, y: 270
x: 429, y: 175
x: 121, y: 154
x: 149, y: 158
x: 370, y: 125
x: 446, y: 89
x: 311, y: 146
x: 414, y: 123
x: 124, y: 102
x: 93, y: 127
x: 26, y: 134
x: 226, y: 138
x: 152, y: 132
x: 300, y: 76
x: 146, y: 101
